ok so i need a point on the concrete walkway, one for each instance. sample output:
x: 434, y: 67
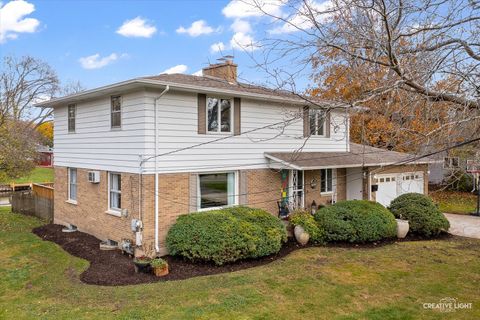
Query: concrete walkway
x: 463, y: 225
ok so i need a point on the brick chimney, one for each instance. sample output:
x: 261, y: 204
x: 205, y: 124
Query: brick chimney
x: 226, y: 70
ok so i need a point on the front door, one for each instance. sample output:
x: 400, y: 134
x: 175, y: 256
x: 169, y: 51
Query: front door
x: 296, y: 194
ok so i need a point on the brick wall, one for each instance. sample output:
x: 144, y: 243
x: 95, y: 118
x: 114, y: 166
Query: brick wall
x: 89, y: 214
x: 312, y: 194
x: 263, y: 189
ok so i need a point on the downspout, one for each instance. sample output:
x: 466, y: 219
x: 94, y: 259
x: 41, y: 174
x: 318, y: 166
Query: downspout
x: 167, y: 88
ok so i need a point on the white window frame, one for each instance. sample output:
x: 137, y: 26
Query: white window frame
x: 112, y: 112
x: 69, y: 175
x: 235, y: 193
x: 450, y: 165
x: 316, y: 112
x: 74, y: 118
x: 219, y: 115
x: 114, y: 211
x: 326, y: 184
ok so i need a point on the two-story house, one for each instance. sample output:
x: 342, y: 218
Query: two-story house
x: 150, y: 149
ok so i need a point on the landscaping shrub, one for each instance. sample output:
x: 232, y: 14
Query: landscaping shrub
x: 308, y: 223
x: 356, y: 221
x: 226, y: 235
x: 421, y: 212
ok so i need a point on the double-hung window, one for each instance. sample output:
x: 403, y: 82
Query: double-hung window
x: 72, y: 184
x: 72, y: 112
x: 317, y: 121
x: 115, y: 191
x: 216, y: 190
x: 116, y: 112
x: 219, y: 115
x: 326, y: 183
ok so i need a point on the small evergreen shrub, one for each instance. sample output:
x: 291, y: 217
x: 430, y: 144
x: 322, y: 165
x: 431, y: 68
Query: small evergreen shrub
x: 308, y: 223
x: 356, y: 221
x: 421, y: 212
x: 226, y: 235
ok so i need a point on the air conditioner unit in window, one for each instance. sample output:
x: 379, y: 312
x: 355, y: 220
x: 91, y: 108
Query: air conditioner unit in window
x: 94, y: 176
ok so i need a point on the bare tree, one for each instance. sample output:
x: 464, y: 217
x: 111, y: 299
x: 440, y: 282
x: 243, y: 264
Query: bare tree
x: 23, y: 82
x: 416, y: 42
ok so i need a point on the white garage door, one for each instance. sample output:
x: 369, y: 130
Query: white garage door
x: 387, y: 189
x: 393, y: 185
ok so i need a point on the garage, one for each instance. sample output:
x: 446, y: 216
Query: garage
x: 393, y: 185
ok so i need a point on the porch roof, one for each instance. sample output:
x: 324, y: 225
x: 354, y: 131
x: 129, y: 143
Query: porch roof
x: 358, y: 156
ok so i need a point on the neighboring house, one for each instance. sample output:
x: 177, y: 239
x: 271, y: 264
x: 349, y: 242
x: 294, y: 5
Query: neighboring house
x: 448, y: 164
x: 45, y: 156
x: 133, y: 156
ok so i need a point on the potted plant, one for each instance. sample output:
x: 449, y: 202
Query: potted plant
x: 402, y: 227
x: 160, y: 267
x: 142, y: 264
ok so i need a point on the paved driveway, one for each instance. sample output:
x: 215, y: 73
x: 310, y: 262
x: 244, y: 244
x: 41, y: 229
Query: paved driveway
x: 463, y: 225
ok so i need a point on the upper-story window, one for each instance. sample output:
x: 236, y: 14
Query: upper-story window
x: 317, y: 121
x: 116, y: 112
x: 72, y: 112
x: 219, y: 115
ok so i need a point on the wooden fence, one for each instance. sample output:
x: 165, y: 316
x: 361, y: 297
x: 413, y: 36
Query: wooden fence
x: 36, y: 202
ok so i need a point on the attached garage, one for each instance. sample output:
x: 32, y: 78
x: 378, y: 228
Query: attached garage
x: 393, y: 185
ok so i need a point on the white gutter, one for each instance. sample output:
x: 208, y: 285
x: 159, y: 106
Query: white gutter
x: 157, y: 248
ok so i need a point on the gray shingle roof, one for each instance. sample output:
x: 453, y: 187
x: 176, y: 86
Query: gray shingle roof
x: 358, y: 156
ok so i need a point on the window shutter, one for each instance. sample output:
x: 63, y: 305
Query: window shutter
x: 306, y: 122
x: 237, y: 120
x: 327, y: 124
x: 202, y: 113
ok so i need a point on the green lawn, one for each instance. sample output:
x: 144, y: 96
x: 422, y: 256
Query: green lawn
x: 38, y: 175
x: 455, y: 202
x: 38, y: 280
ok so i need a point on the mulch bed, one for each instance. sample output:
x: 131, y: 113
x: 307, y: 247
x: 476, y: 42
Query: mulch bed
x: 113, y: 268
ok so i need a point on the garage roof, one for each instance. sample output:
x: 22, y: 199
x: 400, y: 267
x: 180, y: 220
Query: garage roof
x: 358, y: 156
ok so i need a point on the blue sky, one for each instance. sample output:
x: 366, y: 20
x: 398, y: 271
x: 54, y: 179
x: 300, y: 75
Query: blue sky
x: 85, y: 40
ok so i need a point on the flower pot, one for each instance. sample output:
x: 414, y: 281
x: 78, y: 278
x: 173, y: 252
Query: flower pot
x: 301, y: 235
x: 142, y: 267
x: 160, y: 271
x: 402, y: 228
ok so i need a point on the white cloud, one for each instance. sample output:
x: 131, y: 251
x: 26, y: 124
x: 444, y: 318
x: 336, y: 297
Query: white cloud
x: 12, y: 21
x: 95, y: 61
x: 198, y: 73
x: 181, y: 68
x: 137, y: 27
x: 302, y: 20
x: 240, y: 25
x: 197, y: 28
x: 217, y: 47
x: 252, y: 8
x: 243, y: 41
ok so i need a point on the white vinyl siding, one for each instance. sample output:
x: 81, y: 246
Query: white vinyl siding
x: 95, y: 146
x: 178, y: 128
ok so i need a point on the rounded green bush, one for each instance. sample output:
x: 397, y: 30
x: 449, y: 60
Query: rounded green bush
x: 421, y: 212
x: 226, y: 235
x: 308, y: 223
x: 356, y: 221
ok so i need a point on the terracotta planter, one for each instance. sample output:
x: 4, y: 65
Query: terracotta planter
x: 402, y: 228
x: 160, y: 271
x: 301, y: 235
